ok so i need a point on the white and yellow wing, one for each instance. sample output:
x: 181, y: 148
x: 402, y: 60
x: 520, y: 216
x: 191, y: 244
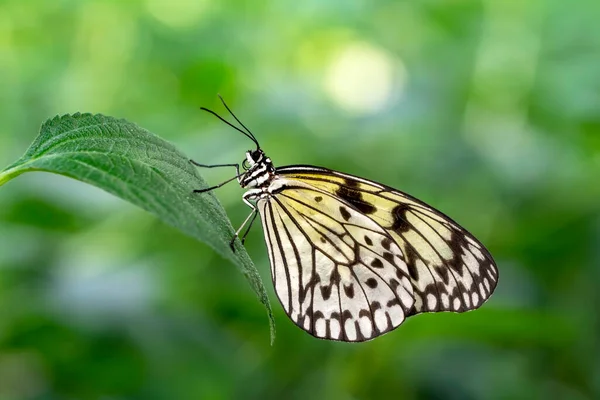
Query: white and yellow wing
x: 351, y: 258
x: 338, y: 274
x: 449, y: 269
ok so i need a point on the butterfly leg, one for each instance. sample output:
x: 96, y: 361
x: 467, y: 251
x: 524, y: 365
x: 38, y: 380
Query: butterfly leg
x: 252, y: 215
x: 237, y: 175
x: 216, y: 186
x: 249, y: 226
x: 246, y: 198
x: 237, y: 166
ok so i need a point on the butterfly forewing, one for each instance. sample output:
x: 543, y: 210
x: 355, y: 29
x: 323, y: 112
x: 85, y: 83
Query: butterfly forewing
x: 448, y: 268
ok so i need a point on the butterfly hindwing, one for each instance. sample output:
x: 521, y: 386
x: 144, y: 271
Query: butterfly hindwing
x: 337, y: 273
x: 449, y: 269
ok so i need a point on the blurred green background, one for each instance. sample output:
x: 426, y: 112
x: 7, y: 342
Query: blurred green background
x: 488, y: 110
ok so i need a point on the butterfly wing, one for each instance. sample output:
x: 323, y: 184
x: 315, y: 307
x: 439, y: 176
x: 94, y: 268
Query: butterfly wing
x: 449, y: 269
x: 338, y: 274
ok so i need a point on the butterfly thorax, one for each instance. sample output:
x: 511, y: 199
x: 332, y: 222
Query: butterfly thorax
x: 259, y: 170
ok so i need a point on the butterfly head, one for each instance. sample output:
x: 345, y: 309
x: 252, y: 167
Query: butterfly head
x: 259, y: 169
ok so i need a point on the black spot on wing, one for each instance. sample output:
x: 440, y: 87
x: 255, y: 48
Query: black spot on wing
x: 345, y: 316
x: 389, y: 257
x: 349, y: 290
x: 399, y: 273
x: 318, y: 199
x: 314, y: 281
x: 386, y: 242
x: 375, y: 305
x: 371, y: 282
x: 333, y: 280
x: 368, y: 241
x: 400, y: 223
x: 335, y: 277
x: 354, y: 197
x: 326, y: 292
x: 412, y: 271
x: 394, y: 302
x: 411, y: 262
x: 456, y: 263
x: 443, y: 272
x: 345, y: 214
x: 376, y: 263
x: 336, y: 316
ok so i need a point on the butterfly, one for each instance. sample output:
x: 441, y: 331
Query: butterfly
x: 351, y: 258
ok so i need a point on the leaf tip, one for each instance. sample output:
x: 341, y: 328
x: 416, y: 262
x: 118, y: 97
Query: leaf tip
x: 272, y: 328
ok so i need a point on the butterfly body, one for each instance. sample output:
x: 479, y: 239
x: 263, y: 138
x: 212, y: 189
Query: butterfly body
x: 260, y: 170
x: 351, y: 258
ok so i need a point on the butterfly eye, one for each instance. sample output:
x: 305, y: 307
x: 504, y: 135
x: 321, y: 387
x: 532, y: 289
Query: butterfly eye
x: 245, y: 165
x: 255, y: 155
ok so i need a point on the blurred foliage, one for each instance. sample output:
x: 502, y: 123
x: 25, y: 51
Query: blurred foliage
x: 488, y: 110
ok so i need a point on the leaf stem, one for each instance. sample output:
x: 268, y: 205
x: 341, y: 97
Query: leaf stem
x: 10, y: 173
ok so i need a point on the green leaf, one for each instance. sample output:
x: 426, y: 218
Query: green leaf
x: 138, y: 166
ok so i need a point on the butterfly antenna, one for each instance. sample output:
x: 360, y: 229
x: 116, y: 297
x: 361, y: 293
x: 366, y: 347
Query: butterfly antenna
x: 250, y: 135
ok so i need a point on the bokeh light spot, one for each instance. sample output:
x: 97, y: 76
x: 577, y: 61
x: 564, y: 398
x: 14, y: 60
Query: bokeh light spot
x: 361, y: 78
x: 177, y: 14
